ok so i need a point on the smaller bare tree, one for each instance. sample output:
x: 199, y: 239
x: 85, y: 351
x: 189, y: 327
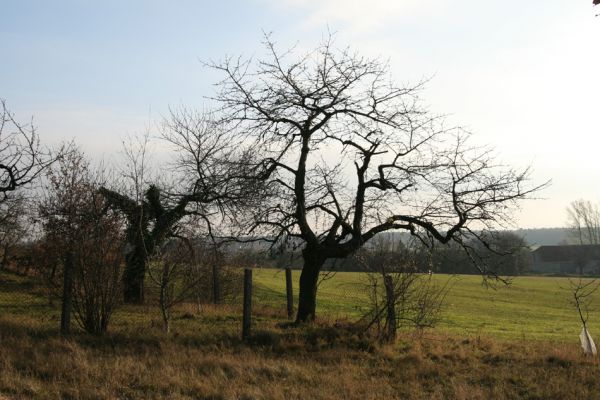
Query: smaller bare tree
x: 98, y: 259
x: 173, y: 271
x: 400, y: 294
x: 583, y: 292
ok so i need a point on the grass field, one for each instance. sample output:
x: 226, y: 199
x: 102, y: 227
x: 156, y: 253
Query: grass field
x: 482, y: 350
x: 537, y: 308
x: 530, y: 308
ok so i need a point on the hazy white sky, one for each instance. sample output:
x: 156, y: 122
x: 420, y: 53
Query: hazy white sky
x: 523, y: 76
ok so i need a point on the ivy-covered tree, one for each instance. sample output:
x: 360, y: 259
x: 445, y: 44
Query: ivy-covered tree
x: 149, y: 224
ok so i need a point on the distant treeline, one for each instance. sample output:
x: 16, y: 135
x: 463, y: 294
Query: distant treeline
x: 507, y: 253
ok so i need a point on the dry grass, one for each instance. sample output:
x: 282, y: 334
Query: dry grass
x: 318, y: 362
x: 204, y: 358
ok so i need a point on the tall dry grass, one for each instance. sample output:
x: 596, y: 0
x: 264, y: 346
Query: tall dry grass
x: 323, y: 361
x: 204, y: 358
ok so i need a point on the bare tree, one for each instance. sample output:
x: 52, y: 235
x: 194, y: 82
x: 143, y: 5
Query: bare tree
x: 175, y: 276
x: 584, y: 221
x: 67, y: 191
x: 348, y: 154
x: 22, y: 160
x: 583, y: 292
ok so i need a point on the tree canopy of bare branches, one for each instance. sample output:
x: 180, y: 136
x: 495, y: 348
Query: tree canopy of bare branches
x: 213, y: 168
x: 346, y: 154
x: 22, y: 158
x: 211, y: 182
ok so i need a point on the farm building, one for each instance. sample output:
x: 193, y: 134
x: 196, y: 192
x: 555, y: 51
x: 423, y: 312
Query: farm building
x: 567, y: 259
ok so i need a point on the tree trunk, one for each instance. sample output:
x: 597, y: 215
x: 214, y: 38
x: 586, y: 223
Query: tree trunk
x: 133, y: 276
x: 309, y: 277
x: 67, y: 296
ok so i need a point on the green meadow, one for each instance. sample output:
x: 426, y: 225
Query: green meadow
x: 529, y: 308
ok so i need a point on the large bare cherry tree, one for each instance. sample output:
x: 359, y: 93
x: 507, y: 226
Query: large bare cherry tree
x: 347, y: 154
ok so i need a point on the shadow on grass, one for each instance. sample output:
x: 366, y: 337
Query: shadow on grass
x: 135, y: 330
x: 279, y: 338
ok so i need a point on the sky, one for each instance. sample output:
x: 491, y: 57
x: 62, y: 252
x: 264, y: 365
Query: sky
x: 524, y: 77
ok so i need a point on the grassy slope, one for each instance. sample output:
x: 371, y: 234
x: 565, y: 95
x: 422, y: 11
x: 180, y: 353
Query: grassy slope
x: 530, y: 308
x: 205, y: 359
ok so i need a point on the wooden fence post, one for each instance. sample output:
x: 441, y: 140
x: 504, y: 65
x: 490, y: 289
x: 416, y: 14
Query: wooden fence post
x: 290, y: 292
x: 216, y: 284
x: 247, y: 317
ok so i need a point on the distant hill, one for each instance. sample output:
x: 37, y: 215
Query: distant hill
x: 544, y: 236
x: 533, y: 237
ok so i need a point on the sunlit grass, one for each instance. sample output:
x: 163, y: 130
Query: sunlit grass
x: 529, y: 308
x: 537, y: 308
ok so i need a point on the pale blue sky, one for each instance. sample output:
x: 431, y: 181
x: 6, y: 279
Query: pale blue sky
x: 523, y: 76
